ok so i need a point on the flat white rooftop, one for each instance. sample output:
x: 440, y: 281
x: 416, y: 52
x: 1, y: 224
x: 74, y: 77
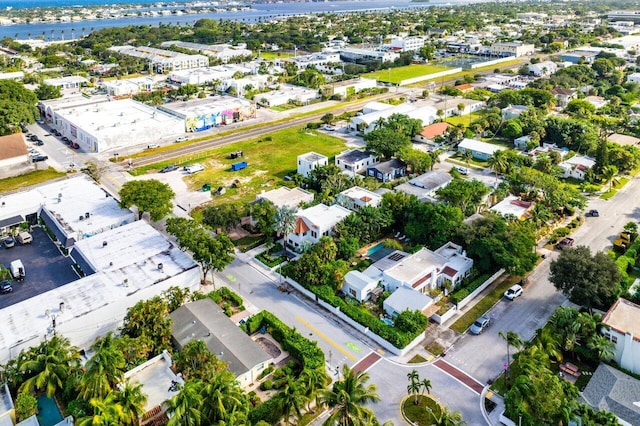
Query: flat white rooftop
x: 204, y: 106
x: 323, y: 216
x: 156, y: 379
x: 414, y: 266
x: 283, y: 196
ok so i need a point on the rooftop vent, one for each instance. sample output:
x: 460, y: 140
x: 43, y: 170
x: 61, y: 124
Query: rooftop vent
x: 160, y: 266
x: 104, y: 244
x: 81, y: 218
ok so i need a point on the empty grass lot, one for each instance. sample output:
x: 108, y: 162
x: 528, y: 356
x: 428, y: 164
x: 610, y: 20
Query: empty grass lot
x: 270, y: 159
x: 464, y: 119
x: 270, y: 56
x: 396, y: 75
x: 28, y: 179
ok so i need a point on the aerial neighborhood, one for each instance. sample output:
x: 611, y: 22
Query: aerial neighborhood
x: 423, y: 214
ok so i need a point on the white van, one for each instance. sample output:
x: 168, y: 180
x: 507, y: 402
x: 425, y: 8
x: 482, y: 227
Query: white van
x: 17, y: 270
x: 194, y: 168
x: 24, y: 238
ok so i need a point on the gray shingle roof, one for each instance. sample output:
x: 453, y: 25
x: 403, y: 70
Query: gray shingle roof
x: 612, y: 390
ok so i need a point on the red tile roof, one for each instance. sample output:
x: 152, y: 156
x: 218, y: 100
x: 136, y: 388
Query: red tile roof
x: 433, y: 130
x: 464, y: 87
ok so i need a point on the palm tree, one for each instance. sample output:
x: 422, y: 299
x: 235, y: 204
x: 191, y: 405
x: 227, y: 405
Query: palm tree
x: 426, y: 385
x: 435, y: 157
x: 414, y: 385
x: 52, y: 363
x: 467, y: 156
x: 185, y: 407
x: 106, y: 412
x: 285, y: 222
x: 602, y: 346
x: 222, y: 396
x: 347, y: 397
x: 104, y: 369
x: 608, y: 173
x: 132, y: 401
x: 498, y: 162
x: 313, y: 381
x: 512, y: 339
x: 447, y: 418
x: 290, y: 400
x: 548, y: 342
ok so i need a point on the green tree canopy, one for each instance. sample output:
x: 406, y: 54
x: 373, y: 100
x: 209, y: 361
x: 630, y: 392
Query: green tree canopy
x: 150, y: 196
x: 386, y: 142
x: 45, y: 91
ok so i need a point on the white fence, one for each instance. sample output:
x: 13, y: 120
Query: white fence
x: 430, y: 76
x: 365, y: 330
x: 492, y: 62
x: 444, y: 317
x: 478, y: 290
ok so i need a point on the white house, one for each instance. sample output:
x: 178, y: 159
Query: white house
x: 349, y: 87
x: 513, y: 111
x: 367, y: 122
x: 479, y: 150
x: 360, y: 285
x: 406, y: 298
x: 287, y: 93
x: 513, y: 206
x: 314, y: 223
x: 356, y: 160
x: 596, y: 101
x: 543, y: 69
x: 634, y: 77
x: 355, y: 198
x: 621, y: 325
x: 66, y: 83
x: 310, y: 161
x: 425, y: 186
x: 522, y: 142
x: 451, y: 107
x: 564, y: 96
x: 576, y: 167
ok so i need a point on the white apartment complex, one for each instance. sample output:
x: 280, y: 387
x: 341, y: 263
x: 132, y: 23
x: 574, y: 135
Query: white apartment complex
x: 161, y: 60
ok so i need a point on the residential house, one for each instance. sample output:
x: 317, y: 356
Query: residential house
x: 621, y: 325
x: 355, y: 160
x: 612, y: 390
x: 283, y: 196
x: 159, y: 383
x: 564, y: 96
x: 426, y: 270
x: 314, y: 223
x: 513, y: 207
x: 429, y: 133
x: 513, y: 111
x: 355, y: 198
x: 13, y: 150
x: 633, y: 78
x: 576, y: 167
x: 596, y: 101
x: 426, y: 185
x: 542, y: 69
x: 451, y: 107
x: 204, y: 320
x: 309, y: 161
x: 479, y: 150
x: 406, y: 299
x: 388, y: 170
x: 522, y: 142
x: 466, y: 87
x: 361, y: 285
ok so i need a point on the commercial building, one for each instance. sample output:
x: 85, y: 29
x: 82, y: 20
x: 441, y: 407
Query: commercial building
x: 348, y: 87
x: 516, y: 49
x: 543, y: 69
x: 407, y: 44
x: 202, y: 114
x: 321, y: 61
x: 220, y: 52
x: 102, y: 125
x: 309, y: 161
x: 204, y: 320
x: 352, y: 54
x: 132, y: 86
x: 206, y: 75
x: 367, y: 122
x: 161, y: 60
x: 287, y: 93
x: 576, y: 56
x: 621, y: 325
x: 66, y: 83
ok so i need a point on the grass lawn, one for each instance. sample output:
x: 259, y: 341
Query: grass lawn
x: 616, y: 187
x: 499, y: 141
x: 423, y: 413
x: 461, y: 74
x: 463, y: 119
x: 472, y: 163
x: 28, y: 179
x: 417, y: 359
x: 270, y: 159
x: 465, y: 321
x: 396, y: 75
x: 270, y: 56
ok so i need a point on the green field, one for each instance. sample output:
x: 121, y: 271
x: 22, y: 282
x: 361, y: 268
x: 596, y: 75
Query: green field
x: 270, y: 159
x: 462, y: 119
x: 28, y: 179
x: 396, y: 75
x: 270, y: 56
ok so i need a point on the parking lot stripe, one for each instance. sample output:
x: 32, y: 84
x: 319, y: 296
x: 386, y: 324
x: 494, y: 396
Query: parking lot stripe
x: 326, y: 339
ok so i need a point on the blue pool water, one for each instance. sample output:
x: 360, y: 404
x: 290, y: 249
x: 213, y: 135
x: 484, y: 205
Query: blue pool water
x: 387, y: 321
x: 49, y: 414
x: 375, y: 248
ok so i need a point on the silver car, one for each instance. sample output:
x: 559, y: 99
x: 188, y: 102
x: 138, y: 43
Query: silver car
x: 480, y: 324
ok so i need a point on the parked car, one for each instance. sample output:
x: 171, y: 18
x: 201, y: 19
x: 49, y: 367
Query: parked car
x: 8, y: 242
x: 5, y: 287
x: 33, y: 138
x: 182, y: 139
x: 66, y: 140
x: 480, y: 324
x: 74, y: 145
x: 24, y: 238
x: 513, y: 292
x: 193, y: 168
x: 39, y: 142
x: 153, y: 145
x: 329, y: 128
x: 38, y: 158
x: 463, y: 170
x: 566, y: 242
x: 592, y: 213
x: 169, y: 168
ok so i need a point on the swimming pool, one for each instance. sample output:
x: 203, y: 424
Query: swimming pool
x: 387, y: 321
x: 375, y: 248
x: 49, y: 414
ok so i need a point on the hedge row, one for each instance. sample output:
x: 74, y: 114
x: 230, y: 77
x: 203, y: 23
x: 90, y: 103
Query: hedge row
x: 396, y: 337
x: 466, y: 290
x: 301, y: 348
x: 627, y: 261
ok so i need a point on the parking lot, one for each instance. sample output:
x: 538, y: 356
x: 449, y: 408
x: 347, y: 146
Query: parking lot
x: 45, y: 267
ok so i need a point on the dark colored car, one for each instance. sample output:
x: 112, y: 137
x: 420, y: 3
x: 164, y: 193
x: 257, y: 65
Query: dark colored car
x: 39, y: 143
x: 169, y: 168
x: 566, y: 242
x: 592, y: 213
x: 66, y: 140
x: 33, y: 138
x: 5, y: 287
x: 74, y: 145
x: 39, y: 158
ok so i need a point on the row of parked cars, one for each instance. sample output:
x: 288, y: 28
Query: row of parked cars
x: 484, y: 321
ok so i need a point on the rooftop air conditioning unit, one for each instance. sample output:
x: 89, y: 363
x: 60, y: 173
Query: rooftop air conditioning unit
x: 160, y: 266
x: 104, y: 244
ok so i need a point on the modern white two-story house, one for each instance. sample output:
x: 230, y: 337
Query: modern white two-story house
x: 621, y: 325
x: 314, y: 223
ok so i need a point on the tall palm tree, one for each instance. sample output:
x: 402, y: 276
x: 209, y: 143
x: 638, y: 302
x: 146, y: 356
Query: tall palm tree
x: 185, y: 407
x: 290, y: 400
x: 467, y: 156
x: 413, y: 388
x: 608, y: 173
x: 313, y: 381
x: 104, y: 369
x: 52, y: 362
x: 435, y: 157
x: 547, y: 341
x: 347, y: 397
x: 513, y: 339
x: 132, y: 401
x: 222, y: 396
x: 106, y: 412
x: 425, y: 384
x: 285, y: 222
x: 447, y: 418
x: 498, y: 162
